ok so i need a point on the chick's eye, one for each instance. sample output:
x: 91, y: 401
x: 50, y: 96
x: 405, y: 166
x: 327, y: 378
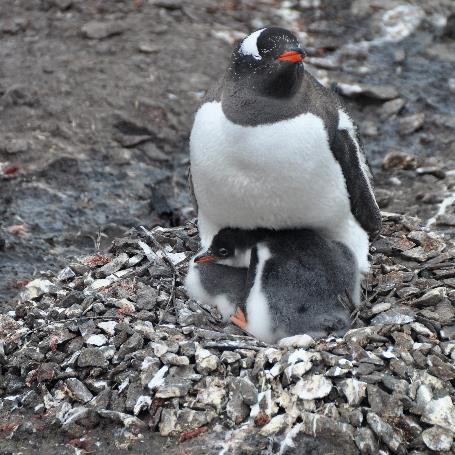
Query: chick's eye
x: 223, y: 252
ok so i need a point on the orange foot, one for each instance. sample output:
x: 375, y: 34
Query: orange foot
x: 239, y: 319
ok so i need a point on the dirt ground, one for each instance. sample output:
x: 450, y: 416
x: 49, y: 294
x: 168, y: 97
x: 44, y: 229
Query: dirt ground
x: 97, y: 100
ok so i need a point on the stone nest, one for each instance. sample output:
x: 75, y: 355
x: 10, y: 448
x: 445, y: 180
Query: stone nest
x: 114, y: 337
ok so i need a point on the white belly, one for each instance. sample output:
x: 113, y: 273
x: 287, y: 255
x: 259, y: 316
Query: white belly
x: 280, y: 175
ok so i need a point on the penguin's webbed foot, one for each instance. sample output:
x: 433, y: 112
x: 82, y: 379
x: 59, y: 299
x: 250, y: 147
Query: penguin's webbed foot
x: 239, y: 319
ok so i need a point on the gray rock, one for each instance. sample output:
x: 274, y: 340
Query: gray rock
x: 206, y: 361
x: 173, y: 359
x: 135, y: 390
x: 396, y: 159
x: 383, y: 403
x: 113, y: 266
x: 380, y: 307
x: 354, y: 390
x: 237, y: 410
x: 411, y: 123
x: 396, y: 315
x: 445, y: 220
x: 379, y: 92
x: 134, y: 343
x: 14, y: 146
x: 78, y: 390
x: 441, y: 369
x: 386, y: 433
x: 212, y: 395
x: 430, y: 298
x: 173, y: 389
x: 65, y: 274
x: 438, y: 439
x: 38, y: 287
x: 366, y: 441
x: 297, y: 341
x: 167, y: 422
x: 229, y: 357
x: 391, y: 107
x: 312, y: 386
x: 189, y: 419
x: 96, y: 340
x: 440, y: 412
x: 127, y: 420
x: 92, y: 357
x: 245, y: 389
x: 322, y: 427
x: 101, y: 30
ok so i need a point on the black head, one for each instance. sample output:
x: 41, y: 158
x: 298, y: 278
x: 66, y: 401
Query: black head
x: 269, y: 61
x: 232, y: 246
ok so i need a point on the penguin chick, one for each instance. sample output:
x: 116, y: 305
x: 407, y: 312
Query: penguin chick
x: 296, y: 279
x: 217, y: 285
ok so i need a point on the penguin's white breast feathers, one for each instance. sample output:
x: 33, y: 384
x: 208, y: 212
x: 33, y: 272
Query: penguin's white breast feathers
x: 274, y: 175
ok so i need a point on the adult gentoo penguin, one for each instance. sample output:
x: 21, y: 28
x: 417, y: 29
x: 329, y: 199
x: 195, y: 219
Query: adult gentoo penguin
x: 296, y: 281
x: 271, y: 147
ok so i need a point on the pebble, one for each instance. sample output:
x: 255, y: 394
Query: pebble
x: 113, y: 266
x: 171, y: 390
x: 379, y: 92
x: 100, y: 30
x: 244, y: 388
x: 398, y: 160
x: 430, y: 298
x: 391, y: 107
x: 366, y: 441
x: 411, y: 123
x: 438, y: 439
x: 442, y: 370
x: 296, y: 341
x: 96, y: 340
x: 108, y: 327
x: 91, y: 357
x: 312, y: 386
x: 440, y: 412
x: 354, y: 390
x: 386, y: 433
x: 38, y: 287
x: 78, y: 390
x: 205, y: 361
x: 65, y: 274
x: 395, y: 315
x: 380, y: 307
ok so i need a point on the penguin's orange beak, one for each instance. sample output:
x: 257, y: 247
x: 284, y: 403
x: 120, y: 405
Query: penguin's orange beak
x: 204, y: 259
x: 294, y: 56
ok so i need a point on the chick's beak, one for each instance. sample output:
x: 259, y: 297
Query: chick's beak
x: 294, y: 55
x: 205, y: 258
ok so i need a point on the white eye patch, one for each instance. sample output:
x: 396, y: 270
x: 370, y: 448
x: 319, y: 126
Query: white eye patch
x: 249, y: 45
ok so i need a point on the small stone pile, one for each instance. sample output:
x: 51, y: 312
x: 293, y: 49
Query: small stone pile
x: 113, y: 337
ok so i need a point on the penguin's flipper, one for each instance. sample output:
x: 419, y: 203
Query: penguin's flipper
x: 239, y: 319
x: 347, y: 151
x: 191, y: 190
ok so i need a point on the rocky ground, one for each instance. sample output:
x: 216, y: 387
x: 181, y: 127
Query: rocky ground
x: 96, y: 101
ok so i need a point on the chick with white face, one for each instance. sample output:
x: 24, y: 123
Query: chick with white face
x: 295, y: 281
x: 272, y: 148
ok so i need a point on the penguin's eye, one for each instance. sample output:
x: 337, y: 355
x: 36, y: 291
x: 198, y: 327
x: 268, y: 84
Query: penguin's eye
x: 223, y: 252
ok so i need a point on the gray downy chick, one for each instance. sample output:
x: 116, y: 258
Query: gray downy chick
x: 219, y: 285
x: 296, y: 280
